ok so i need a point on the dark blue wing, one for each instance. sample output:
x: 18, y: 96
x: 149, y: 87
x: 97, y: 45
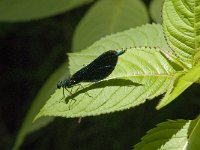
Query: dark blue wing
x: 98, y: 69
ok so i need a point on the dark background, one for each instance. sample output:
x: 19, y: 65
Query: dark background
x: 30, y: 52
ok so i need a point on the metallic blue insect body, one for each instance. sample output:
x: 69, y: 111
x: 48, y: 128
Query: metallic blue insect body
x: 97, y: 70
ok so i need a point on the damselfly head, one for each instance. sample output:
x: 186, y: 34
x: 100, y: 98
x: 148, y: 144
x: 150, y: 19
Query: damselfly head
x: 59, y: 84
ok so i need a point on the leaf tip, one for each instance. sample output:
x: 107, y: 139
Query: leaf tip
x: 36, y: 117
x: 159, y: 106
x: 162, y: 103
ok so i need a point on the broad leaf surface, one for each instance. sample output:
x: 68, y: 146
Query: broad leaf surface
x: 181, y: 26
x: 106, y: 17
x: 181, y: 19
x: 179, y: 135
x: 141, y: 73
x: 25, y: 10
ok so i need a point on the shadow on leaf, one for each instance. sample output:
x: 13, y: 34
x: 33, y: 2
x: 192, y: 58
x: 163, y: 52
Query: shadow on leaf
x: 102, y: 84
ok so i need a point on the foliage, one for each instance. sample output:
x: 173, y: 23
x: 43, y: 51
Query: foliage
x: 117, y: 15
x: 28, y: 126
x: 23, y: 10
x: 159, y: 60
x: 156, y: 9
x: 178, y: 134
x: 134, y: 79
x: 146, y: 76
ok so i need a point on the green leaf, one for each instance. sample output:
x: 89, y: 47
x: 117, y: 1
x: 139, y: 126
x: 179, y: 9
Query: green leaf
x: 133, y: 81
x: 197, y: 56
x: 28, y: 126
x: 106, y: 17
x: 180, y: 20
x: 135, y: 78
x: 156, y: 10
x: 194, y: 135
x: 179, y: 135
x: 25, y: 10
x: 181, y: 25
x: 182, y: 82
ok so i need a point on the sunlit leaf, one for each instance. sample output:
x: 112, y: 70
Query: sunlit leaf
x: 178, y: 134
x: 182, y: 82
x: 181, y: 25
x: 141, y: 73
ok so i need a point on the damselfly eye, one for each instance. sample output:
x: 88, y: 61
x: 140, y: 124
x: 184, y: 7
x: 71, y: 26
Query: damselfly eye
x: 59, y: 84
